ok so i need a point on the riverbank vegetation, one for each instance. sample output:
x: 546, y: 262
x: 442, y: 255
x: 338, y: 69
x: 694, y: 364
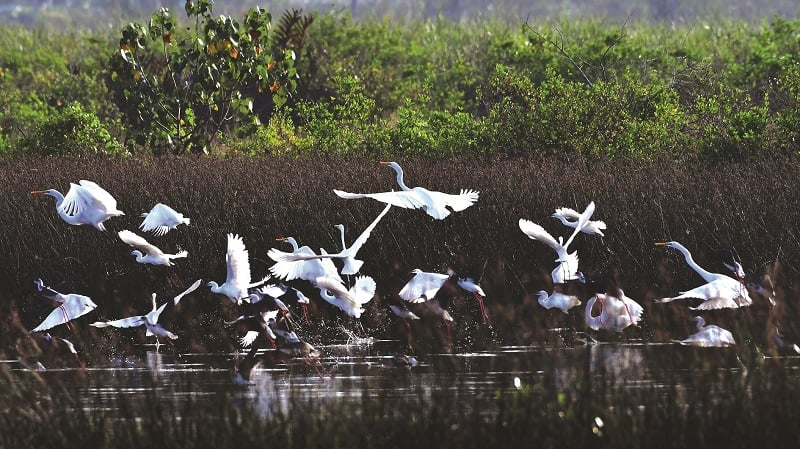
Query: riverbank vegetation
x: 306, y: 83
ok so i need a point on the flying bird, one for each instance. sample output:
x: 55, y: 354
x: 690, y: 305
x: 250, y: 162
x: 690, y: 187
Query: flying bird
x: 146, y: 252
x: 471, y: 286
x: 347, y: 254
x: 570, y: 217
x: 237, y: 282
x: 161, y: 219
x: 84, y: 203
x: 71, y: 306
x: 423, y: 286
x: 567, y: 268
x: 311, y: 269
x: 150, y: 320
x: 351, y: 301
x: 436, y: 204
x: 708, y: 335
x: 720, y: 291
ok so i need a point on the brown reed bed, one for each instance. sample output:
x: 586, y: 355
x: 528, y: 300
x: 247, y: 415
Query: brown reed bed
x: 707, y: 208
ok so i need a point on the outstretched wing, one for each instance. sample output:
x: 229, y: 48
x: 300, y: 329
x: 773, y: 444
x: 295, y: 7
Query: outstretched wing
x: 161, y: 219
x: 139, y: 243
x: 423, y: 286
x: 122, y: 323
x: 238, y: 262
x: 536, y: 232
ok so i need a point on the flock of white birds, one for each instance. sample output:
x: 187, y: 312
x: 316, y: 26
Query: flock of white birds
x: 86, y: 203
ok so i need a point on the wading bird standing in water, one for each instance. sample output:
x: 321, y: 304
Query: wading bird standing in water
x: 709, y: 335
x: 84, y: 203
x: 616, y: 313
x: 71, y: 306
x: 436, y: 204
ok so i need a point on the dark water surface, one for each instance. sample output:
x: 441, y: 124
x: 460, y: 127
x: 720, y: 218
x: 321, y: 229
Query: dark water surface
x: 350, y: 371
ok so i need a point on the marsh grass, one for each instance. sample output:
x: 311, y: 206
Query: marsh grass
x: 707, y: 208
x: 721, y: 408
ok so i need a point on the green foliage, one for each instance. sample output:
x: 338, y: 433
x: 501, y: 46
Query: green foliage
x: 179, y: 90
x: 71, y: 131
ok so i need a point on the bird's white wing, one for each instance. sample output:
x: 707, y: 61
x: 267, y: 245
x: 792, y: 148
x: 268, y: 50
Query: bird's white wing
x: 469, y: 285
x: 161, y: 219
x: 568, y: 213
x: 309, y: 270
x: 122, y: 323
x: 238, y: 262
x: 338, y: 290
x: 359, y: 242
x: 363, y: 290
x: 423, y: 286
x: 72, y: 307
x: 582, y: 220
x: 139, y: 243
x: 98, y: 195
x: 249, y: 338
x: 77, y: 200
x: 463, y: 200
x: 191, y: 288
x: 407, y: 199
x: 536, y: 232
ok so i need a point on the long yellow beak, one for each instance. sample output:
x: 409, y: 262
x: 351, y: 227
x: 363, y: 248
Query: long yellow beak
x: 661, y: 243
x: 280, y: 239
x: 384, y: 163
x: 39, y: 192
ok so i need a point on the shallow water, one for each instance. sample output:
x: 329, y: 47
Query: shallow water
x: 349, y: 371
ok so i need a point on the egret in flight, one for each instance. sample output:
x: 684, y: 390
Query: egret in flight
x: 571, y: 217
x: 720, y: 291
x: 347, y: 254
x: 311, y: 269
x: 146, y: 252
x: 85, y: 203
x: 708, y: 335
x: 238, y: 268
x: 161, y: 219
x: 567, y: 268
x: 436, y: 204
x: 150, y: 320
x: 71, y: 306
x: 351, y: 301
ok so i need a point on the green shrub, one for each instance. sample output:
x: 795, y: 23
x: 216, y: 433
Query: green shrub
x: 178, y: 90
x: 71, y: 131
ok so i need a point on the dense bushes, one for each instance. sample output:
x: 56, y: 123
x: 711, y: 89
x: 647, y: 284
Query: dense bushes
x: 724, y: 90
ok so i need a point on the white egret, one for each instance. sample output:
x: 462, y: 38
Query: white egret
x: 567, y: 268
x: 309, y: 270
x: 708, y: 335
x: 347, y: 254
x: 85, y: 203
x: 436, y: 204
x: 718, y: 294
x: 237, y: 281
x: 161, y: 219
x: 616, y: 313
x: 71, y: 306
x: 423, y: 286
x: 471, y: 286
x: 557, y: 300
x: 570, y: 217
x: 351, y: 301
x: 720, y: 291
x: 146, y: 252
x: 150, y: 320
